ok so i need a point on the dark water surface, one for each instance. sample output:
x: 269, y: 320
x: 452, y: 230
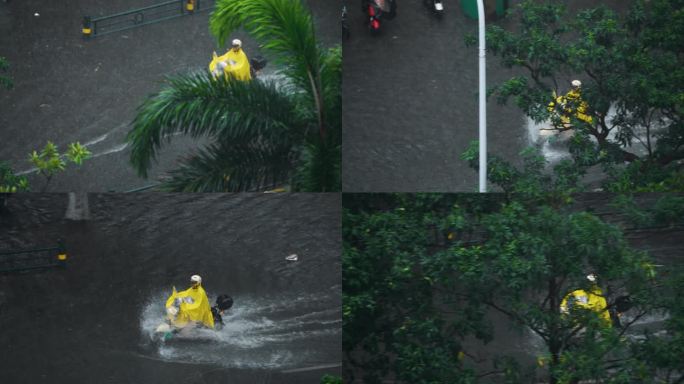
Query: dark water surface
x: 92, y: 321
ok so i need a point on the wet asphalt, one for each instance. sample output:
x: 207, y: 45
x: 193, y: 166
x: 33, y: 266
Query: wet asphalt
x: 410, y: 103
x: 91, y: 321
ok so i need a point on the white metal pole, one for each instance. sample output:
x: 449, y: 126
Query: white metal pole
x: 483, y: 100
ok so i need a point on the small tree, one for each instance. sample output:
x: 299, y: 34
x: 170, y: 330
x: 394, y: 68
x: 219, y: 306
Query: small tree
x: 631, y: 68
x: 529, y: 261
x: 50, y: 162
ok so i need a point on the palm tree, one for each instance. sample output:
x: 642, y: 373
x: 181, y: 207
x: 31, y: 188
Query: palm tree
x: 263, y: 133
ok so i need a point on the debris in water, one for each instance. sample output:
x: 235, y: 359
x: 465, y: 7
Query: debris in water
x: 292, y: 257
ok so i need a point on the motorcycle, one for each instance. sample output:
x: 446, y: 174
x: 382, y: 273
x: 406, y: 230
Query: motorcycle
x: 378, y: 10
x: 436, y: 6
x: 256, y: 64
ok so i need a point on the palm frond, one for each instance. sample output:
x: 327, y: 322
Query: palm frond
x: 226, y: 109
x: 233, y: 168
x: 331, y: 79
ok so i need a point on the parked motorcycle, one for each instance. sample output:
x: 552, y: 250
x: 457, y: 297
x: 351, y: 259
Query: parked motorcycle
x: 378, y: 10
x: 436, y: 6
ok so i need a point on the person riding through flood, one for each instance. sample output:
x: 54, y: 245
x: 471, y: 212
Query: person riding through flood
x: 233, y: 63
x: 189, y: 308
x: 591, y: 299
x: 571, y: 105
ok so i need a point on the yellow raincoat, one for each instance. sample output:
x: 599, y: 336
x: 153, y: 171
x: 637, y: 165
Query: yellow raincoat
x: 572, y: 98
x: 193, y: 306
x: 592, y: 300
x: 236, y: 64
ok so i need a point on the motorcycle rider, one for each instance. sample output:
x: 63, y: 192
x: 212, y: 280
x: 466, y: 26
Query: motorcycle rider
x: 591, y: 299
x: 190, y: 308
x: 234, y: 62
x: 571, y: 104
x: 388, y: 7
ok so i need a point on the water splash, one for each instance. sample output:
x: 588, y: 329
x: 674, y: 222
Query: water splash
x: 258, y: 333
x: 554, y: 144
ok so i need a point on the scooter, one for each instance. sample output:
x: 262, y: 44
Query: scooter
x: 378, y: 10
x: 217, y: 66
x: 166, y: 330
x: 256, y: 64
x: 436, y: 6
x: 621, y: 305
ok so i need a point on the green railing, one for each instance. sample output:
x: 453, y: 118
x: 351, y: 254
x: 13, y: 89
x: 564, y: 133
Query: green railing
x: 31, y: 259
x: 97, y: 26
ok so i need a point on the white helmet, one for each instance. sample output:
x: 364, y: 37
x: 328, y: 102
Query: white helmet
x: 196, y: 279
x: 576, y: 83
x: 591, y: 277
x: 237, y: 42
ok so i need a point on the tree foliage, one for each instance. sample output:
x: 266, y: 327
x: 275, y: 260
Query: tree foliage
x: 49, y: 161
x: 631, y: 69
x: 422, y: 275
x: 9, y: 181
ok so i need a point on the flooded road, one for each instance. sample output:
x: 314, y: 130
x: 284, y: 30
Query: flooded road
x: 410, y: 101
x: 93, y: 320
x: 68, y: 89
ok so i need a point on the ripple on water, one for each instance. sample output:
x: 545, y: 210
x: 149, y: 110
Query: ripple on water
x: 258, y: 333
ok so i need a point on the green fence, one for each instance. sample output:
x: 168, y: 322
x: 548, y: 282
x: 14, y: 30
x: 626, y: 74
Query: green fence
x: 32, y: 259
x: 97, y: 26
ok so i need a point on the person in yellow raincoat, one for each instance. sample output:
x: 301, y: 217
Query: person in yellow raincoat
x: 571, y: 104
x: 232, y: 63
x: 592, y: 299
x: 190, y: 307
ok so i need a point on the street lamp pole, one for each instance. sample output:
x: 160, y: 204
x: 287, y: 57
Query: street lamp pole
x: 483, y: 100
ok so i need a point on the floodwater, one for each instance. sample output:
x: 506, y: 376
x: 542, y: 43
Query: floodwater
x: 69, y: 89
x: 554, y: 144
x: 93, y: 321
x: 410, y: 101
